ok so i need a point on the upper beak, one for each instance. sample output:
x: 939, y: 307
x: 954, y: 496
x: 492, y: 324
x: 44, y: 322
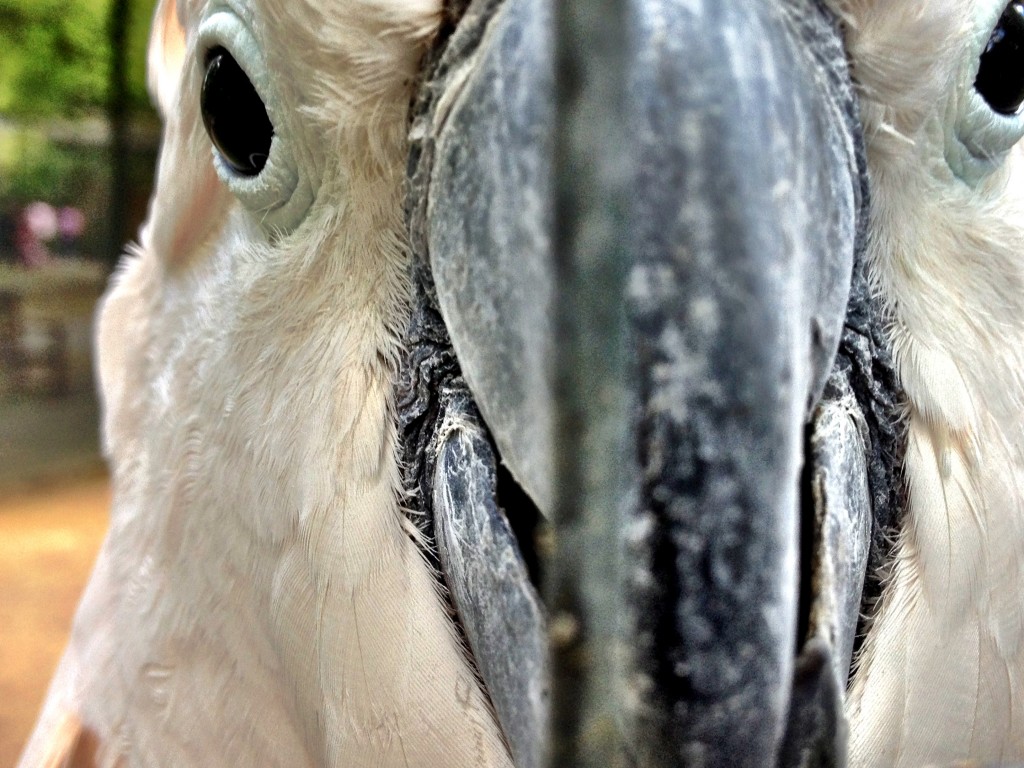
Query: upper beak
x: 749, y: 198
x: 688, y: 435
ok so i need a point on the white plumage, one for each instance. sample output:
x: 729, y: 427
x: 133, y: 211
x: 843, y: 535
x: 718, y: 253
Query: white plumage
x: 941, y: 676
x: 260, y: 599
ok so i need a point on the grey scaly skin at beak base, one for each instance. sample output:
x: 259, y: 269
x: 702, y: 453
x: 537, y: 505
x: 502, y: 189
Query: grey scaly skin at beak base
x: 480, y: 127
x: 746, y: 205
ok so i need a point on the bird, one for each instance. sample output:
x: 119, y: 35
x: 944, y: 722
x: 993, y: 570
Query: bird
x: 261, y: 599
x: 940, y: 676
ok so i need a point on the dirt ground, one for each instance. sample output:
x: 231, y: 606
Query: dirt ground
x: 48, y: 542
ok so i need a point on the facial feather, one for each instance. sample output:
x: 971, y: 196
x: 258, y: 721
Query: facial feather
x: 258, y: 599
x: 942, y: 665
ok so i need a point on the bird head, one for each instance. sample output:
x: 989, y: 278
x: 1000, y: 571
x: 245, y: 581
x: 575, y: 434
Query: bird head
x: 941, y: 94
x: 334, y: 407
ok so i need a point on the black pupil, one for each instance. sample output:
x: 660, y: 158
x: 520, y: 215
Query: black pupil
x: 234, y: 115
x: 1000, y: 78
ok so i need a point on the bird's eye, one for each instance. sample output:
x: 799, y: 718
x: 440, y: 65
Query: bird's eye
x: 234, y: 114
x: 1000, y: 78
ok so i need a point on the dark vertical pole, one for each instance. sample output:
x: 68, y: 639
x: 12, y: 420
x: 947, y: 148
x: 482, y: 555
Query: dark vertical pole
x: 593, y: 454
x: 118, y: 116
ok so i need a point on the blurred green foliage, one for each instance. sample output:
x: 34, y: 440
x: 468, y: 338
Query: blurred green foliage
x: 33, y: 167
x: 56, y: 67
x: 55, y: 57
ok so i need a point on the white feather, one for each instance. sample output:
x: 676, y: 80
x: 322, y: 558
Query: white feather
x: 259, y: 599
x: 941, y: 675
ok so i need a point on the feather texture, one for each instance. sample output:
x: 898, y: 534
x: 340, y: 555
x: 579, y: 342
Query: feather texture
x: 941, y: 674
x: 259, y: 599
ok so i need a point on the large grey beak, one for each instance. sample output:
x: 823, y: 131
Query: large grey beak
x: 749, y: 198
x: 653, y: 399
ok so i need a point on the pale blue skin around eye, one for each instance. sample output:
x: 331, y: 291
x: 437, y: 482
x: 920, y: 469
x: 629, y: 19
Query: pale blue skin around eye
x: 282, y: 193
x: 978, y: 138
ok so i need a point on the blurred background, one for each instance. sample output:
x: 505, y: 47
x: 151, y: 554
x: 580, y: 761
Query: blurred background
x: 78, y: 144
